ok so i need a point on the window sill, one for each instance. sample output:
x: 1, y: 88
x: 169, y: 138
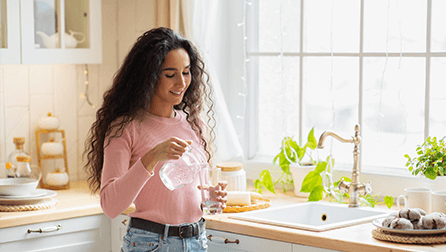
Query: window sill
x: 385, y: 181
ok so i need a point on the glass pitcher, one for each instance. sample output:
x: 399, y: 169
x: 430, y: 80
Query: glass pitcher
x: 180, y: 172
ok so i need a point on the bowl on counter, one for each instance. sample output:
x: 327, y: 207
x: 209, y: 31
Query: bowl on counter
x: 17, y: 186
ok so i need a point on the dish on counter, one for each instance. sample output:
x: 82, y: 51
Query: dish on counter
x: 17, y: 186
x: 44, y: 194
x: 32, y: 194
x: 378, y: 223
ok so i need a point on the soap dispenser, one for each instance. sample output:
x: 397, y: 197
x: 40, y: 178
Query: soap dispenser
x: 19, y: 142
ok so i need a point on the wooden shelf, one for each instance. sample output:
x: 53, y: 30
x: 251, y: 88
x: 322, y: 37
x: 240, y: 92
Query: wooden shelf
x: 47, y: 157
x: 52, y: 157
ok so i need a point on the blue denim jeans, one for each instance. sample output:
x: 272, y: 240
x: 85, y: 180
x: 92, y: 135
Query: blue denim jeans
x: 140, y: 240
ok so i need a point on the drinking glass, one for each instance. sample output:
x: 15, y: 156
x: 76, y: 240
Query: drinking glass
x: 209, y: 179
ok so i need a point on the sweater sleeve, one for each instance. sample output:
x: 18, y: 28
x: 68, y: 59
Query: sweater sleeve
x: 121, y: 184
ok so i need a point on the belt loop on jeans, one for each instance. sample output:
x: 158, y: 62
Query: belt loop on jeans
x: 199, y: 228
x: 166, y: 232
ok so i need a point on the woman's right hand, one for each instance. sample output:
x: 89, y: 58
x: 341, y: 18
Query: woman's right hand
x: 172, y: 148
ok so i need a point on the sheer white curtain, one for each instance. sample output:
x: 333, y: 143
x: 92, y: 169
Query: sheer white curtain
x: 201, y: 30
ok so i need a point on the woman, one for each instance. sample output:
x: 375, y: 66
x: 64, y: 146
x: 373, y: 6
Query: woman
x: 150, y: 115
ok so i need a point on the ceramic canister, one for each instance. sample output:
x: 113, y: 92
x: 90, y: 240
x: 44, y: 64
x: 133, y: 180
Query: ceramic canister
x: 49, y: 122
x: 52, y: 148
x: 57, y: 178
x: 233, y: 173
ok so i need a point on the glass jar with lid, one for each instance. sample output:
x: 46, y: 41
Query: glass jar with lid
x: 19, y: 142
x: 234, y: 174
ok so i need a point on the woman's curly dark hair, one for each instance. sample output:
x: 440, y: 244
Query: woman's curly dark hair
x: 133, y: 87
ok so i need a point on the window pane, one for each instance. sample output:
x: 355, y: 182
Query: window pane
x: 331, y: 99
x: 393, y: 113
x: 437, y: 116
x: 278, y: 106
x: 395, y: 25
x: 279, y: 21
x: 77, y: 16
x: 319, y: 28
x: 438, y: 36
x: 46, y: 21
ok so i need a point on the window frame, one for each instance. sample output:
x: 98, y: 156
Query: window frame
x: 251, y: 127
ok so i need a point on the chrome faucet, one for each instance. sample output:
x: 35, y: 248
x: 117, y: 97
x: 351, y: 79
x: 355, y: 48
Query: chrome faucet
x: 354, y: 188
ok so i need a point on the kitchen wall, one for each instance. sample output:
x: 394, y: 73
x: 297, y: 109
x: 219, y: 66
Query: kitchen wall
x: 29, y: 92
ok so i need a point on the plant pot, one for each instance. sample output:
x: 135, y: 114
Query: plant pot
x: 438, y: 184
x: 299, y: 173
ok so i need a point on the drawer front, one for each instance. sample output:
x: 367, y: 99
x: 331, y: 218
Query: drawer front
x: 90, y: 233
x: 298, y: 247
x: 225, y: 241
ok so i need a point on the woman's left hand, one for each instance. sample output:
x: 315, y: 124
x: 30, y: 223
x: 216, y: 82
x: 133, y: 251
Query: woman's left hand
x: 222, y: 193
x: 217, y: 193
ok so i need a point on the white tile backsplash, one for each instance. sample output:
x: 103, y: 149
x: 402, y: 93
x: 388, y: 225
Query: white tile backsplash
x: 29, y: 93
x: 16, y: 85
x: 16, y: 125
x: 41, y: 79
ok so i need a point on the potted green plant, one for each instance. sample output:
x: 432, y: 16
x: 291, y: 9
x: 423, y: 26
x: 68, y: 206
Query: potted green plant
x: 429, y: 161
x: 290, y: 153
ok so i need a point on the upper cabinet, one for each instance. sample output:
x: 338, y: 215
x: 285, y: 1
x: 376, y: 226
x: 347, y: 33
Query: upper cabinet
x: 51, y: 32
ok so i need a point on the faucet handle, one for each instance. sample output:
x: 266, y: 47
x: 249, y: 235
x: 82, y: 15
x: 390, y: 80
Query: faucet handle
x: 368, y: 188
x: 365, y: 189
x: 344, y: 186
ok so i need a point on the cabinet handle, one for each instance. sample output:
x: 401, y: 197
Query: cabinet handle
x: 45, y: 230
x: 225, y: 240
x: 124, y: 222
x: 228, y: 241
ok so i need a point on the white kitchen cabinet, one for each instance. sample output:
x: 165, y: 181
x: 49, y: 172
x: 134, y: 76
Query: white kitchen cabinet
x: 225, y: 241
x: 9, y: 32
x: 89, y: 233
x: 119, y: 229
x: 298, y: 247
x: 219, y: 241
x: 31, y: 32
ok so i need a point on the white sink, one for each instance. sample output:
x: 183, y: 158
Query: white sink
x: 313, y: 216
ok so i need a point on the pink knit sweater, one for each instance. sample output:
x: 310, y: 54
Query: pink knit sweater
x: 125, y: 180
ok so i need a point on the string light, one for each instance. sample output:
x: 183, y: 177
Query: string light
x: 381, y: 116
x: 87, y: 82
x: 243, y: 93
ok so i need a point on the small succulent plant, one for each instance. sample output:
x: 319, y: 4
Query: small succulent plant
x: 430, y: 159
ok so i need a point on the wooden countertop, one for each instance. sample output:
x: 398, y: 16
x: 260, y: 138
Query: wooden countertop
x: 74, y: 202
x: 78, y: 202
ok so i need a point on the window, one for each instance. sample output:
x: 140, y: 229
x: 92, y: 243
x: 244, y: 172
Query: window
x: 332, y: 64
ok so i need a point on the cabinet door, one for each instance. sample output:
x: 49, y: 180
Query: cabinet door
x: 298, y: 247
x: 44, y: 21
x: 225, y: 241
x: 90, y: 233
x: 9, y: 32
x: 119, y: 229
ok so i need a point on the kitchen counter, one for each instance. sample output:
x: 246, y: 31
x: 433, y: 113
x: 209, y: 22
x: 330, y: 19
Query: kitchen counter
x: 77, y: 202
x: 74, y: 202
